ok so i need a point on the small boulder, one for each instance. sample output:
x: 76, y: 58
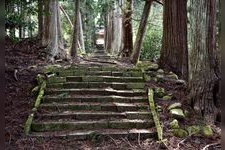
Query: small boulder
x: 180, y: 82
x: 154, y: 79
x: 172, y: 76
x: 160, y: 71
x: 153, y: 67
x: 181, y: 133
x: 177, y: 113
x: 174, y: 124
x: 160, y: 77
x: 207, y: 131
x: 174, y: 105
x: 159, y: 92
x: 167, y: 98
x: 151, y: 73
x: 193, y: 130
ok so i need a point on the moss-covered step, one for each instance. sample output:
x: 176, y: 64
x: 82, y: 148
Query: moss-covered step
x: 93, y: 72
x: 103, y: 79
x: 114, y: 85
x: 90, y: 91
x: 95, y: 135
x: 93, y: 124
x: 100, y: 99
x: 116, y: 107
x: 92, y: 115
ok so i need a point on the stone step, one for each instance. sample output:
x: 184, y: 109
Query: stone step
x: 114, y: 85
x: 92, y: 115
x: 95, y: 67
x: 99, y: 73
x: 115, y: 107
x: 100, y: 99
x: 94, y: 91
x: 103, y: 79
x: 130, y: 134
x: 100, y: 52
x: 42, y: 126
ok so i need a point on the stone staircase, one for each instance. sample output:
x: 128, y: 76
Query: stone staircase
x: 100, y: 54
x: 91, y: 102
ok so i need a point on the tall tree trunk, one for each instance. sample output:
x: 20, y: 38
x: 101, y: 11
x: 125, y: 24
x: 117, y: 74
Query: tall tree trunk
x: 46, y: 23
x: 141, y: 30
x: 117, y: 29
x: 75, y: 33
x: 108, y: 32
x: 40, y: 19
x: 81, y: 33
x: 127, y: 29
x: 204, y: 69
x: 55, y: 45
x: 174, y: 52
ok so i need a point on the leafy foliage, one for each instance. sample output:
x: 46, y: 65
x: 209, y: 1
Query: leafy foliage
x: 21, y: 14
x: 152, y: 40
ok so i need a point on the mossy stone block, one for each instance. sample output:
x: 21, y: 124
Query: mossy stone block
x: 167, y: 98
x: 193, y: 130
x: 207, y: 131
x: 135, y: 86
x: 153, y: 67
x: 174, y: 124
x: 177, y: 113
x: 160, y: 71
x: 159, y: 92
x: 56, y: 80
x: 181, y: 133
x: 174, y: 105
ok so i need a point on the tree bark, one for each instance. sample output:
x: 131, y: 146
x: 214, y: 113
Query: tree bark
x: 204, y: 69
x: 81, y: 33
x: 46, y: 22
x: 174, y: 52
x: 55, y: 42
x: 117, y: 29
x: 108, y: 32
x: 127, y: 30
x: 141, y: 30
x: 40, y: 19
x: 75, y: 33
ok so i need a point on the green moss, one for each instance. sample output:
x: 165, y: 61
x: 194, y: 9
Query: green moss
x: 27, y: 126
x: 159, y: 92
x: 144, y: 64
x: 92, y: 79
x: 207, y: 131
x: 34, y: 110
x: 167, y: 98
x: 52, y: 68
x: 50, y: 127
x: 135, y: 86
x: 147, y: 77
x: 155, y: 115
x: 194, y: 130
x: 181, y: 133
x: 40, y: 95
x: 174, y: 124
x: 56, y: 79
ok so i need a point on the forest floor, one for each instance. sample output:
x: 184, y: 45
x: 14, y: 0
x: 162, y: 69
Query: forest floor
x: 23, y: 62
